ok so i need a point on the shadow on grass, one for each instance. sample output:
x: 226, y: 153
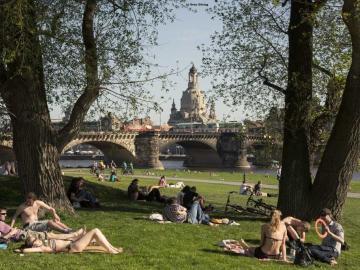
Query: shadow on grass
x: 110, y: 198
x: 221, y: 252
x: 243, y: 217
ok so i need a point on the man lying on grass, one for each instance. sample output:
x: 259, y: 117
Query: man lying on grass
x: 93, y: 240
x: 272, y: 243
x: 29, y: 216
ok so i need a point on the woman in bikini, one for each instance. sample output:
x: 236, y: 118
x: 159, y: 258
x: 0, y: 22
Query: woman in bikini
x: 79, y: 244
x: 273, y: 237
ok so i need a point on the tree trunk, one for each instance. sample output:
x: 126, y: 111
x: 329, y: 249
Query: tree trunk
x: 295, y: 182
x: 38, y: 158
x: 342, y: 150
x: 23, y: 91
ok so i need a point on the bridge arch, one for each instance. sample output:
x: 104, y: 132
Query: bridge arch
x: 112, y: 151
x: 198, y: 153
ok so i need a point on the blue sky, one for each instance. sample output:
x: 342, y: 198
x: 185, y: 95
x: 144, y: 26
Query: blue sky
x: 178, y: 43
x: 177, y: 48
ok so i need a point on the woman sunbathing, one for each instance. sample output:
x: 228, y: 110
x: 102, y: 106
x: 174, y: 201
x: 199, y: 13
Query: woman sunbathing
x: 93, y: 238
x: 273, y: 236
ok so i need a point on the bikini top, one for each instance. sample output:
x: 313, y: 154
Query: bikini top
x: 275, y: 239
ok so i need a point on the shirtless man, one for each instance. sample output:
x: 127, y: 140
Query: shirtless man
x: 15, y: 234
x: 29, y: 216
x: 296, y: 228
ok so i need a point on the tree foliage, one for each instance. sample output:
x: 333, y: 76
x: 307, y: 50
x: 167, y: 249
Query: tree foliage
x: 123, y: 30
x: 71, y: 53
x: 249, y: 57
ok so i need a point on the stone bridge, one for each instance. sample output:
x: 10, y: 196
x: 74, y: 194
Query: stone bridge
x: 202, y: 149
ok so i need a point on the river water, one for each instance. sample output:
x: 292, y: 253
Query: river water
x: 178, y: 165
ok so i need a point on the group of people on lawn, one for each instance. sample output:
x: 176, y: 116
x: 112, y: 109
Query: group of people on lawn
x: 187, y: 206
x: 276, y: 234
x: 37, y: 238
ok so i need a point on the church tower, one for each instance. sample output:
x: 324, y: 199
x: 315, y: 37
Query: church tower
x: 173, y: 107
x: 193, y: 77
x: 193, y: 106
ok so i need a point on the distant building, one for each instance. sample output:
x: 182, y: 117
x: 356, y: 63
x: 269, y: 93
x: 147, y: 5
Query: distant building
x: 139, y: 124
x: 193, y: 106
x: 255, y: 128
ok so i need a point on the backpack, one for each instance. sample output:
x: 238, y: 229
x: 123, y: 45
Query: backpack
x: 345, y: 246
x: 303, y: 256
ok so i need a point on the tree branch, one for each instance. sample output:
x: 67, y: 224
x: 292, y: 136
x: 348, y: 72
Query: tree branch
x: 272, y: 46
x: 322, y: 69
x: 92, y: 88
x: 275, y: 21
x: 266, y: 80
x: 150, y: 79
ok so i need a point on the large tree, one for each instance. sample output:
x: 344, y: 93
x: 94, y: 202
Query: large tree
x: 342, y: 150
x: 66, y: 51
x: 298, y: 196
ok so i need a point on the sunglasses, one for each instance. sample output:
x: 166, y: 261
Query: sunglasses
x: 3, y: 214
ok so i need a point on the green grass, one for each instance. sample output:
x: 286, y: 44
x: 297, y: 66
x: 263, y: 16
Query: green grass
x: 149, y: 245
x: 207, y: 175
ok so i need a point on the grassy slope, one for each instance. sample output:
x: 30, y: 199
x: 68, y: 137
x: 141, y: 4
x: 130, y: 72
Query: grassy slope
x: 150, y: 245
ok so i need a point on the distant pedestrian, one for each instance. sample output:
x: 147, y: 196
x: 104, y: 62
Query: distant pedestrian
x: 278, y: 173
x: 131, y: 167
x: 125, y: 169
x: 113, y: 166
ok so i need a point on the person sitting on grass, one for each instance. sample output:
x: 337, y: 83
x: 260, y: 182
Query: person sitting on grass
x: 272, y: 243
x: 174, y: 212
x: 296, y: 231
x: 162, y: 181
x: 245, y: 188
x: 190, y: 196
x: 296, y: 228
x: 196, y: 214
x: 257, y: 189
x: 330, y: 247
x: 152, y: 193
x: 99, y: 177
x: 79, y: 196
x: 80, y: 244
x: 113, y: 177
x: 14, y: 234
x: 28, y: 212
x: 180, y: 195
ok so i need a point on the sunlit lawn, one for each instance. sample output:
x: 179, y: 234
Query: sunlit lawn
x: 207, y: 175
x: 149, y: 245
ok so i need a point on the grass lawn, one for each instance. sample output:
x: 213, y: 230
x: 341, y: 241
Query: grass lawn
x: 149, y: 245
x: 207, y: 175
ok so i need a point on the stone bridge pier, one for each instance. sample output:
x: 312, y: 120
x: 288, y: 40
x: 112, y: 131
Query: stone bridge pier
x: 213, y: 150
x: 147, y: 150
x: 232, y: 149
